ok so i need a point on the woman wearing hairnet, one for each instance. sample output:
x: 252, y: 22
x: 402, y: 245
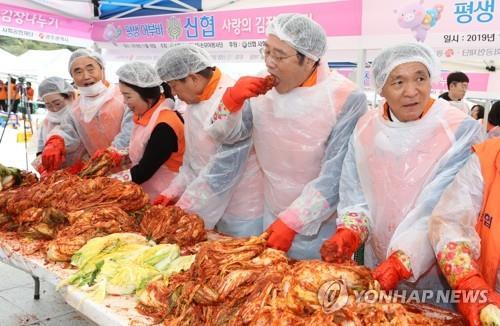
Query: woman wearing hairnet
x: 300, y: 129
x: 58, y: 96
x: 222, y: 184
x: 399, y: 161
x: 157, y: 142
x: 99, y: 119
x: 465, y: 233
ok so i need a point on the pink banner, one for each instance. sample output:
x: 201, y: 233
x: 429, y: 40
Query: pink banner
x: 42, y: 22
x: 439, y: 23
x: 478, y: 81
x: 435, y: 16
x: 338, y: 18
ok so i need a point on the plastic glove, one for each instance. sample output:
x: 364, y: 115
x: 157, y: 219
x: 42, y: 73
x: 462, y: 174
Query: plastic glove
x: 37, y: 164
x: 280, y: 236
x: 245, y: 88
x: 490, y: 315
x: 164, y: 200
x: 53, y: 154
x: 390, y: 272
x: 117, y: 157
x: 470, y: 308
x: 341, y: 246
x: 123, y: 175
x: 76, y: 167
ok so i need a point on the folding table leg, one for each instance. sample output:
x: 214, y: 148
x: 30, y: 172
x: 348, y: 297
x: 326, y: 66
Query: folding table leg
x: 37, y: 287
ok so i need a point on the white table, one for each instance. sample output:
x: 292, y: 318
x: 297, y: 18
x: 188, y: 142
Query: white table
x: 114, y: 310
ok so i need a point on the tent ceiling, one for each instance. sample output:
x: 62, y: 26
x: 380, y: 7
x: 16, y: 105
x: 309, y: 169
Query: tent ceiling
x: 133, y: 8
x: 106, y: 9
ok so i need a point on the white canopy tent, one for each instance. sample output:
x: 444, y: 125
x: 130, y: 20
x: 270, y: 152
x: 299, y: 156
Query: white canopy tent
x: 7, y: 59
x: 44, y: 64
x: 80, y: 9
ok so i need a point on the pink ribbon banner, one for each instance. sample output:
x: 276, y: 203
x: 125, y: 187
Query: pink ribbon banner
x: 21, y: 21
x: 338, y: 18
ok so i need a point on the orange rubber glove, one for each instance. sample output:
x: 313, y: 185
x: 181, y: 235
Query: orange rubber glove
x: 53, y: 154
x: 164, y: 200
x: 470, y: 309
x: 117, y: 157
x: 390, y: 272
x: 341, y: 246
x: 245, y: 88
x: 280, y: 236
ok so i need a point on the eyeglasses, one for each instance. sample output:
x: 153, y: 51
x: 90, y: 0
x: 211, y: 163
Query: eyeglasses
x: 265, y: 53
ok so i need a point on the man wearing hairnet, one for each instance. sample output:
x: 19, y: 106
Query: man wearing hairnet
x: 399, y: 161
x: 99, y: 119
x: 222, y: 184
x: 300, y: 129
x: 58, y: 96
x: 464, y: 232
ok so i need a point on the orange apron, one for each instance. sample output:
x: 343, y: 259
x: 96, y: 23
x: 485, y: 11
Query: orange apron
x: 487, y: 225
x: 138, y: 142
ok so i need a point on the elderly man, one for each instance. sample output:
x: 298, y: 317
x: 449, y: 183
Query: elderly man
x: 300, y: 130
x: 399, y: 161
x: 99, y: 119
x: 464, y: 232
x: 208, y: 182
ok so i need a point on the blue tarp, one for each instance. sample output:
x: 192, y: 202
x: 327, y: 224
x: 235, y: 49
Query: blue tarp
x: 125, y: 8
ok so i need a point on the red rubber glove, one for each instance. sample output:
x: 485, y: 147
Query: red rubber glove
x: 390, y: 272
x: 76, y: 167
x: 164, y: 200
x: 280, y: 236
x: 470, y: 309
x: 117, y: 157
x: 245, y: 88
x: 53, y: 154
x: 38, y: 165
x: 341, y: 246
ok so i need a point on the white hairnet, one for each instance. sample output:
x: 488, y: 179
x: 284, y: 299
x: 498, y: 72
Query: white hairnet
x: 139, y: 74
x: 302, y: 33
x: 85, y: 53
x: 392, y: 57
x: 180, y: 61
x: 54, y: 85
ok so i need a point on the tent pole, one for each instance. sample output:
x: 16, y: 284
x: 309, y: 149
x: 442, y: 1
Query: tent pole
x: 360, y: 71
x: 185, y: 5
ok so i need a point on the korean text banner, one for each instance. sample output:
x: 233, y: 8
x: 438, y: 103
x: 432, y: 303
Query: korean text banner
x: 455, y: 28
x: 38, y: 25
x: 339, y: 18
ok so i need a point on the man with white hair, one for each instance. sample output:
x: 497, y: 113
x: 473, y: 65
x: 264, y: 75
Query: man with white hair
x: 209, y: 182
x: 99, y: 119
x: 400, y: 160
x: 300, y: 129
